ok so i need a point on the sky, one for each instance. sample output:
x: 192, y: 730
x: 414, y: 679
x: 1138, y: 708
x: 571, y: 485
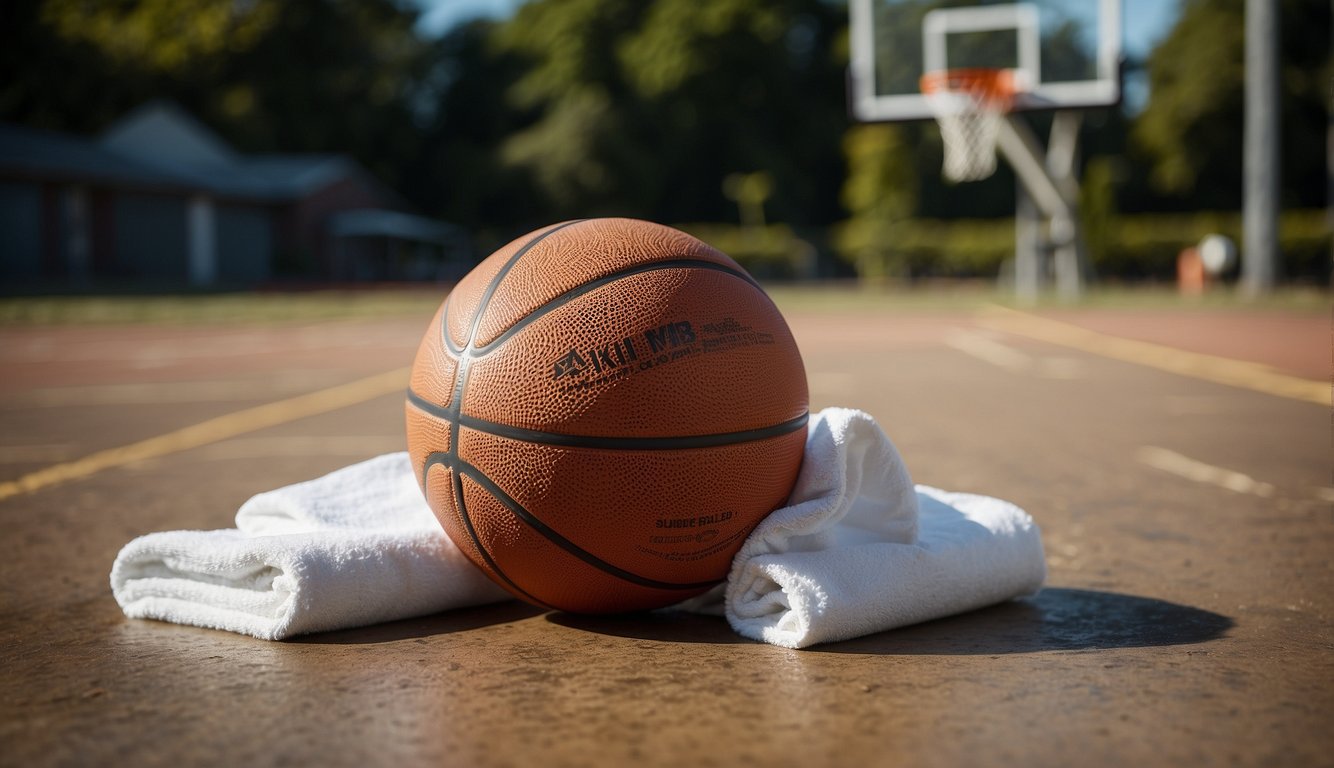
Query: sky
x: 440, y: 16
x: 1146, y: 22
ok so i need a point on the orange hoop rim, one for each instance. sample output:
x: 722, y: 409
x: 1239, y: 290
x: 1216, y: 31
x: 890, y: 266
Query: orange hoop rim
x: 996, y: 87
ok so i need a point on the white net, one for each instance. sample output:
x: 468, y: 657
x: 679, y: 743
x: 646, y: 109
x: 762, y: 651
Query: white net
x: 969, y: 107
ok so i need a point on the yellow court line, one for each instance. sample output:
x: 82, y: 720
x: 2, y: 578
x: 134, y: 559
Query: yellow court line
x: 1220, y: 370
x: 215, y: 430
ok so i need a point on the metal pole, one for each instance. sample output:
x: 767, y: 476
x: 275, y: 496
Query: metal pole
x: 1026, y: 156
x: 1067, y: 235
x: 1259, y: 268
x: 1027, y: 248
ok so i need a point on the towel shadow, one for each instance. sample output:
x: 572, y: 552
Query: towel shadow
x: 1056, y: 619
x: 458, y: 620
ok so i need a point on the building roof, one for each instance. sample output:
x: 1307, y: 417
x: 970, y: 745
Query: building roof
x: 34, y: 152
x: 159, y: 146
x: 395, y: 224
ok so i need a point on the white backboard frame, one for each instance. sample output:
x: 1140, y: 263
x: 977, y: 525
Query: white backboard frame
x: 1103, y: 90
x: 1021, y: 17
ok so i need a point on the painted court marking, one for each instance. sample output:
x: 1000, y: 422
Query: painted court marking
x: 214, y: 430
x: 1010, y: 359
x: 1191, y: 469
x: 1220, y: 370
x: 989, y: 351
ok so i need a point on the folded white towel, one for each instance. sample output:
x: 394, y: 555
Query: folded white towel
x: 860, y: 550
x: 857, y: 551
x: 358, y: 546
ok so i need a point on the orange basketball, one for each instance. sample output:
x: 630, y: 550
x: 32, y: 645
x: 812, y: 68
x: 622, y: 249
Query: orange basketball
x: 602, y: 410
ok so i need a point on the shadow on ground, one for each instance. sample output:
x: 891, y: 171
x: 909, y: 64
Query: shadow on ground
x: 460, y: 620
x: 667, y: 626
x: 1056, y: 619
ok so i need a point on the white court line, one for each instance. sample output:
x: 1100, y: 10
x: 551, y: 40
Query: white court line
x: 1190, y: 469
x: 1325, y: 494
x: 1008, y: 358
x: 989, y: 351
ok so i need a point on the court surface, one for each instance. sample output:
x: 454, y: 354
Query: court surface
x: 1179, y: 465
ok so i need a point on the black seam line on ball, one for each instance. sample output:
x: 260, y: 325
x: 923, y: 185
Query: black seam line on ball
x: 500, y: 276
x: 616, y: 443
x: 445, y: 460
x: 461, y: 383
x: 555, y: 538
x: 444, y: 327
x: 466, y: 356
x: 634, y: 443
x: 580, y: 290
x: 490, y: 291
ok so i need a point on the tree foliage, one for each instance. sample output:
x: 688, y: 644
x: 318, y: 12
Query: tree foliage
x: 282, y: 75
x: 638, y: 107
x: 1192, y: 128
x: 647, y: 107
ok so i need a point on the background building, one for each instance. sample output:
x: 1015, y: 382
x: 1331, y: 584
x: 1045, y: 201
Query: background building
x: 158, y: 198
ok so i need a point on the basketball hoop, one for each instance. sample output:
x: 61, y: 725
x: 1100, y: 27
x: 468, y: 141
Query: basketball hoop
x: 970, y: 104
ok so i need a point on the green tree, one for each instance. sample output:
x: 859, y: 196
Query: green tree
x: 646, y: 107
x: 277, y: 75
x: 459, y: 175
x: 882, y: 179
x: 743, y: 86
x: 582, y: 147
x: 1191, y: 129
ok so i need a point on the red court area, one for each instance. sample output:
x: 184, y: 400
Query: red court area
x: 1186, y: 525
x: 1293, y: 342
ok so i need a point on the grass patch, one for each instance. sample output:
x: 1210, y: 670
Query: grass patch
x: 218, y: 309
x: 957, y: 296
x: 266, y: 308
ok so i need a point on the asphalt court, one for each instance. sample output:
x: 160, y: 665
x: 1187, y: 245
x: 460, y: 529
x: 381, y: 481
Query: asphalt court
x: 1188, y: 526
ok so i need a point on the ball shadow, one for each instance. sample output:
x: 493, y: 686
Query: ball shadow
x: 663, y: 626
x: 458, y: 620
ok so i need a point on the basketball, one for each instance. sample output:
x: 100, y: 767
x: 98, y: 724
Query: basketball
x: 600, y: 413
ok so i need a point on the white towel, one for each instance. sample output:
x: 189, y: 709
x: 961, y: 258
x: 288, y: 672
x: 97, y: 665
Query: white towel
x: 860, y: 549
x: 857, y: 551
x: 357, y: 546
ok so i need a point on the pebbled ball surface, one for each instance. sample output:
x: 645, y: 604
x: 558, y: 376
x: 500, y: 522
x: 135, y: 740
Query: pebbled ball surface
x: 602, y: 410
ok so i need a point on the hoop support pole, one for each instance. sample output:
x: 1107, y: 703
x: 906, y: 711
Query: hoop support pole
x: 1056, y: 198
x: 1021, y: 149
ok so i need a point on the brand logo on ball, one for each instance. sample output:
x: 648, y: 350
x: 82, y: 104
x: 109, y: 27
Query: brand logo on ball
x: 585, y: 368
x: 609, y: 357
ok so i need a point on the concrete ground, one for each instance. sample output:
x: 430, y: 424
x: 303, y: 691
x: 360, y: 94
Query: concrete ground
x: 1186, y: 502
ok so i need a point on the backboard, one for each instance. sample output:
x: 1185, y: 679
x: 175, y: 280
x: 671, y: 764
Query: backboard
x: 1065, y: 53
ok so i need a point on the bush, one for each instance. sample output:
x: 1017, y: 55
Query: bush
x: 1147, y: 245
x: 1128, y: 247
x: 771, y: 252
